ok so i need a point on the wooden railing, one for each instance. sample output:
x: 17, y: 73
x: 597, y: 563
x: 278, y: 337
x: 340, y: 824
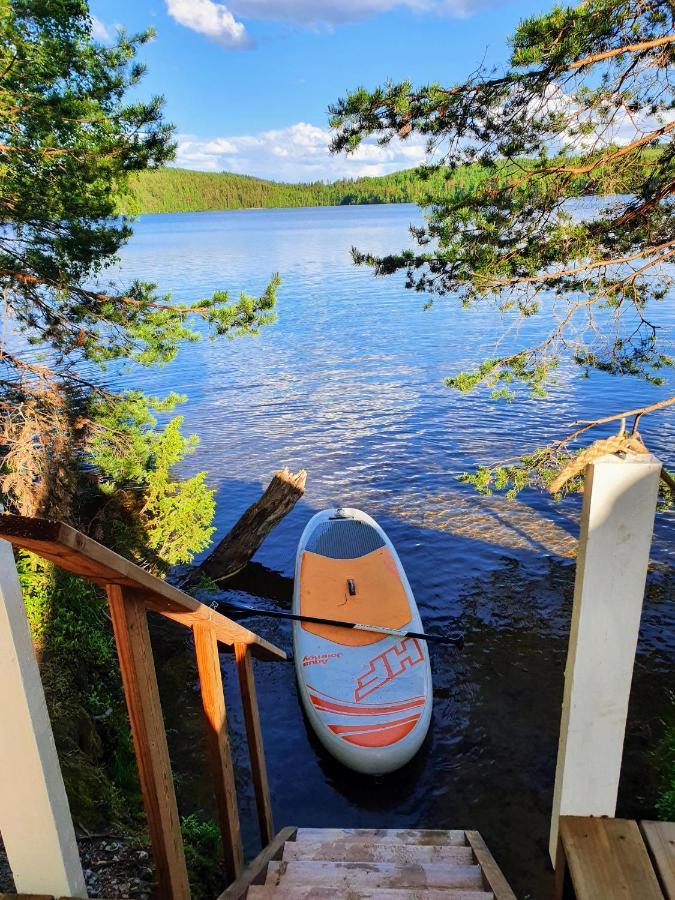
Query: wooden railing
x: 131, y: 592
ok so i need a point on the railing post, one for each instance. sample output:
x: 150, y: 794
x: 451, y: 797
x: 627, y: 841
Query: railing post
x: 218, y: 741
x: 130, y: 625
x: 256, y: 748
x: 616, y: 531
x: 35, y: 820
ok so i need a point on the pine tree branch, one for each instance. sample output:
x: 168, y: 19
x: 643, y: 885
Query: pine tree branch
x: 577, y: 270
x: 627, y: 414
x: 617, y: 51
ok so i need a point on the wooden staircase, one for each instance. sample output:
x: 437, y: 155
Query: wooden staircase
x: 375, y: 864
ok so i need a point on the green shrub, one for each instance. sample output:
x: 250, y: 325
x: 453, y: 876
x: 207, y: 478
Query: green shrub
x: 78, y: 663
x: 203, y: 855
x: 665, y: 805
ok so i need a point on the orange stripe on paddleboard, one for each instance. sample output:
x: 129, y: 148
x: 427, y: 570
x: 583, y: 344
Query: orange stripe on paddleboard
x: 328, y: 706
x: 372, y: 726
x: 381, y: 737
x: 355, y: 703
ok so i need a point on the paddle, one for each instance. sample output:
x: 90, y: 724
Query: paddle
x: 456, y: 639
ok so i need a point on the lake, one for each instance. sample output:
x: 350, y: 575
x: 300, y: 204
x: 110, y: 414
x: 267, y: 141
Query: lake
x: 349, y: 385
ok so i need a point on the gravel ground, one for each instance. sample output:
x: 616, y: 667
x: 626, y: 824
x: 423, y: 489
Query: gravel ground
x: 114, y: 868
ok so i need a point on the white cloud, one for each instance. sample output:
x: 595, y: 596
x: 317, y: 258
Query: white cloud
x: 209, y: 18
x: 619, y: 127
x: 100, y: 31
x: 296, y: 153
x: 217, y: 20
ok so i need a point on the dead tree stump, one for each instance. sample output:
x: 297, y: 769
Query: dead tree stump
x: 242, y: 541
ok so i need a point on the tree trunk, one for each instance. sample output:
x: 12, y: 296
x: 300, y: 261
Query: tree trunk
x: 239, y: 544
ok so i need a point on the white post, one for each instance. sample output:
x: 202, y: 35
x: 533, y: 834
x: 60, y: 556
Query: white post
x: 35, y: 821
x: 617, y: 521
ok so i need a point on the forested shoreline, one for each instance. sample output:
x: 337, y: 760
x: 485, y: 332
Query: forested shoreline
x: 169, y: 189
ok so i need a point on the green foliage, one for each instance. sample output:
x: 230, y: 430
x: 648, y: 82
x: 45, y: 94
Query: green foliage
x: 203, y: 855
x: 69, y: 140
x: 70, y: 627
x: 666, y: 758
x: 172, y: 519
x: 536, y: 469
x: 68, y: 143
x: 179, y: 513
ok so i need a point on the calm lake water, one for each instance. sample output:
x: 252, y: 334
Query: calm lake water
x: 349, y: 385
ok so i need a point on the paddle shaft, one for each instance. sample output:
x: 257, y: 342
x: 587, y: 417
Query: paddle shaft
x: 455, y: 639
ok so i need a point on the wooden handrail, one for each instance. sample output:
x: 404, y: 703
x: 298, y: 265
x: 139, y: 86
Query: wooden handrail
x: 70, y: 549
x: 218, y: 742
x: 130, y: 625
x: 256, y: 750
x: 131, y: 592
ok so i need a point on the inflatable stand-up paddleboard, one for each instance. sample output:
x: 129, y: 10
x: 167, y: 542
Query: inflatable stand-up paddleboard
x: 367, y: 695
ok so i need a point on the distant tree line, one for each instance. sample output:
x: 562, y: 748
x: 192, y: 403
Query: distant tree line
x: 168, y: 189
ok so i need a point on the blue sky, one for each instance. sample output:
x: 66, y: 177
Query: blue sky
x: 248, y: 82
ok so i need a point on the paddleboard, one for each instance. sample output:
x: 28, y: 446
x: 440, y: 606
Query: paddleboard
x: 368, y: 696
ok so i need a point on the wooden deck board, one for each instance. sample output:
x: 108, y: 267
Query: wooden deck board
x: 660, y: 839
x: 354, y: 876
x: 435, y: 837
x: 312, y: 892
x: 367, y: 851
x: 607, y: 859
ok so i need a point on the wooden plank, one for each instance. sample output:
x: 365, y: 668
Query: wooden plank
x: 493, y: 876
x: 35, y: 821
x: 312, y: 892
x: 256, y: 747
x: 70, y: 549
x: 227, y: 631
x: 256, y: 870
x: 353, y: 876
x: 607, y: 859
x: 26, y: 897
x: 436, y: 837
x: 560, y: 875
x: 367, y: 851
x: 218, y: 742
x: 660, y: 839
x: 130, y: 626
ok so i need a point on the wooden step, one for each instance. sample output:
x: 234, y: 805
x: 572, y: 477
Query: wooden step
x: 435, y: 837
x: 353, y: 875
x: 312, y: 892
x: 367, y: 851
